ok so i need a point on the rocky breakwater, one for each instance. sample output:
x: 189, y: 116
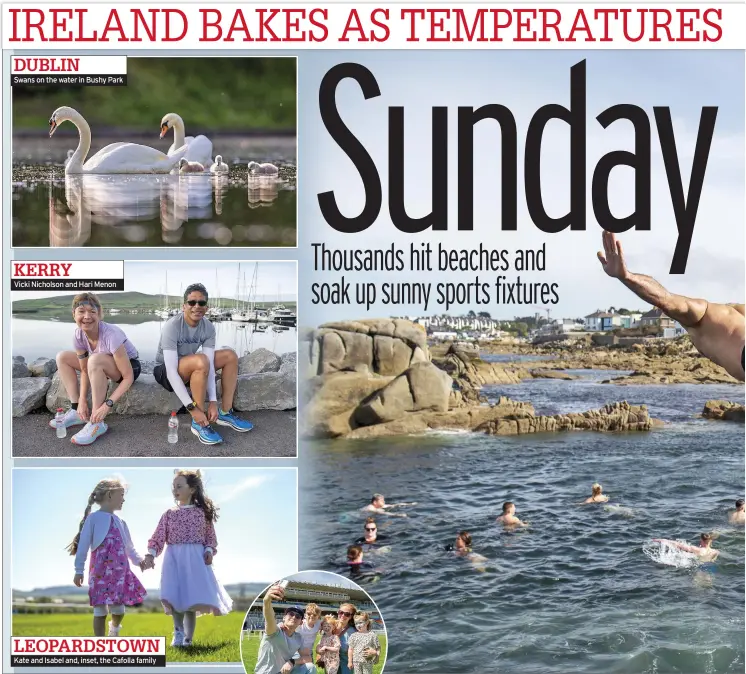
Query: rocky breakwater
x: 376, y: 378
x: 649, y: 361
x: 723, y: 410
x: 266, y: 381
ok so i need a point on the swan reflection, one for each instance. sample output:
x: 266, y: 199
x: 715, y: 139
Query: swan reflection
x: 263, y: 190
x: 124, y: 202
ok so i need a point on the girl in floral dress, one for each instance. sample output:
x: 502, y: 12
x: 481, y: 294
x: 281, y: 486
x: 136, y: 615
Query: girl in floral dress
x: 329, y: 645
x: 188, y: 583
x: 111, y: 583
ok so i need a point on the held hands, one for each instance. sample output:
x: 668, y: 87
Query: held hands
x: 208, y: 557
x: 78, y: 580
x: 286, y: 668
x: 212, y: 412
x: 99, y: 414
x: 147, y: 563
x: 612, y: 259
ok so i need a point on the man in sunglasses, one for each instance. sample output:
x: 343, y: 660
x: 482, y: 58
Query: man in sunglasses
x: 178, y: 364
x: 278, y: 649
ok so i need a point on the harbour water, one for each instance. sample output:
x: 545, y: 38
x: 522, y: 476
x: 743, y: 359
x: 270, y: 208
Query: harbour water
x: 573, y: 592
x: 35, y: 338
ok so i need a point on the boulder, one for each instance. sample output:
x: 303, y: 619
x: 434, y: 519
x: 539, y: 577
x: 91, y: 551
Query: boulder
x: 289, y: 362
x: 261, y: 360
x: 266, y: 391
x: 422, y: 387
x: 43, y: 367
x: 19, y: 367
x: 28, y: 394
x: 332, y: 400
x: 544, y: 373
x: 723, y: 410
x: 385, y: 346
x: 145, y: 396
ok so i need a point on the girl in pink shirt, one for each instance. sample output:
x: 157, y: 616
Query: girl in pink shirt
x: 188, y: 583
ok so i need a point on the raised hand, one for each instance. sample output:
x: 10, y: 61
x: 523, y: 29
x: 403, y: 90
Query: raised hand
x: 612, y: 259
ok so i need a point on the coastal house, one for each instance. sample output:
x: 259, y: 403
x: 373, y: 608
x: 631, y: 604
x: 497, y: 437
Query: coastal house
x: 656, y: 318
x: 631, y: 320
x: 598, y: 321
x: 443, y: 335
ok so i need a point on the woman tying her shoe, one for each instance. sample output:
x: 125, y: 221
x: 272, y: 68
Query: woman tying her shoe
x: 102, y: 352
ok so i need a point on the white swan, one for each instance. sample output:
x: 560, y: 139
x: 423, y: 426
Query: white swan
x: 114, y: 158
x: 70, y: 154
x: 186, y: 166
x: 219, y: 166
x: 198, y: 149
x: 262, y: 169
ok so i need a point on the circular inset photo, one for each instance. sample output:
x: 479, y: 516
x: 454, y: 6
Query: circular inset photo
x: 310, y: 623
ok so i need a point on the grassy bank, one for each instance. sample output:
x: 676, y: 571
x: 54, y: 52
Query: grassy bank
x: 216, y: 639
x: 210, y: 94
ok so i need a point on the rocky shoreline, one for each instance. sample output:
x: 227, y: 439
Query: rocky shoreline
x: 673, y: 361
x: 379, y: 377
x: 266, y: 381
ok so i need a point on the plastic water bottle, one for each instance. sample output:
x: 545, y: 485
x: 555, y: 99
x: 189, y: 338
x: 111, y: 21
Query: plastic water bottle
x: 173, y: 428
x: 59, y: 422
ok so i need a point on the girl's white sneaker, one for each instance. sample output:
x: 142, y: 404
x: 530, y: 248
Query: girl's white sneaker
x: 114, y: 631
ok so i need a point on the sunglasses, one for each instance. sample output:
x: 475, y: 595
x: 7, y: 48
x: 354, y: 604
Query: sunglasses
x: 202, y: 303
x: 345, y: 613
x: 296, y: 615
x: 370, y: 528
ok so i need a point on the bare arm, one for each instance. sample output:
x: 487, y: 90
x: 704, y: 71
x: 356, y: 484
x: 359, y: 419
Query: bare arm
x: 270, y: 624
x: 685, y: 310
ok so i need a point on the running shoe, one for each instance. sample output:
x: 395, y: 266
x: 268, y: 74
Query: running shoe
x: 206, y: 434
x: 178, y: 640
x: 72, y: 418
x: 230, y: 419
x: 89, y: 433
x: 187, y: 642
x: 114, y: 631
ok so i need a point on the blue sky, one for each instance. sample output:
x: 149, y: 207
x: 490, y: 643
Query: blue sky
x: 275, y: 280
x: 49, y: 502
x: 523, y: 81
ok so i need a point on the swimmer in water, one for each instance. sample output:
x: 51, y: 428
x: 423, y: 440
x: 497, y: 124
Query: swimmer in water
x: 355, y: 562
x: 462, y: 545
x: 738, y: 516
x: 378, y: 505
x: 462, y: 548
x: 372, y: 537
x: 596, y: 495
x: 704, y: 550
x: 508, y: 518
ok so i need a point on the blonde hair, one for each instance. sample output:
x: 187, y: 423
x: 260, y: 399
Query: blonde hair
x: 596, y: 489
x: 313, y: 609
x: 331, y: 621
x: 97, y: 496
x: 87, y: 298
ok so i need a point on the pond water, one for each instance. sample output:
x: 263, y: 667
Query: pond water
x: 52, y: 209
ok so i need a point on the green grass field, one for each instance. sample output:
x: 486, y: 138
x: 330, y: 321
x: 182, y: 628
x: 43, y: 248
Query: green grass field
x: 215, y: 640
x: 250, y: 653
